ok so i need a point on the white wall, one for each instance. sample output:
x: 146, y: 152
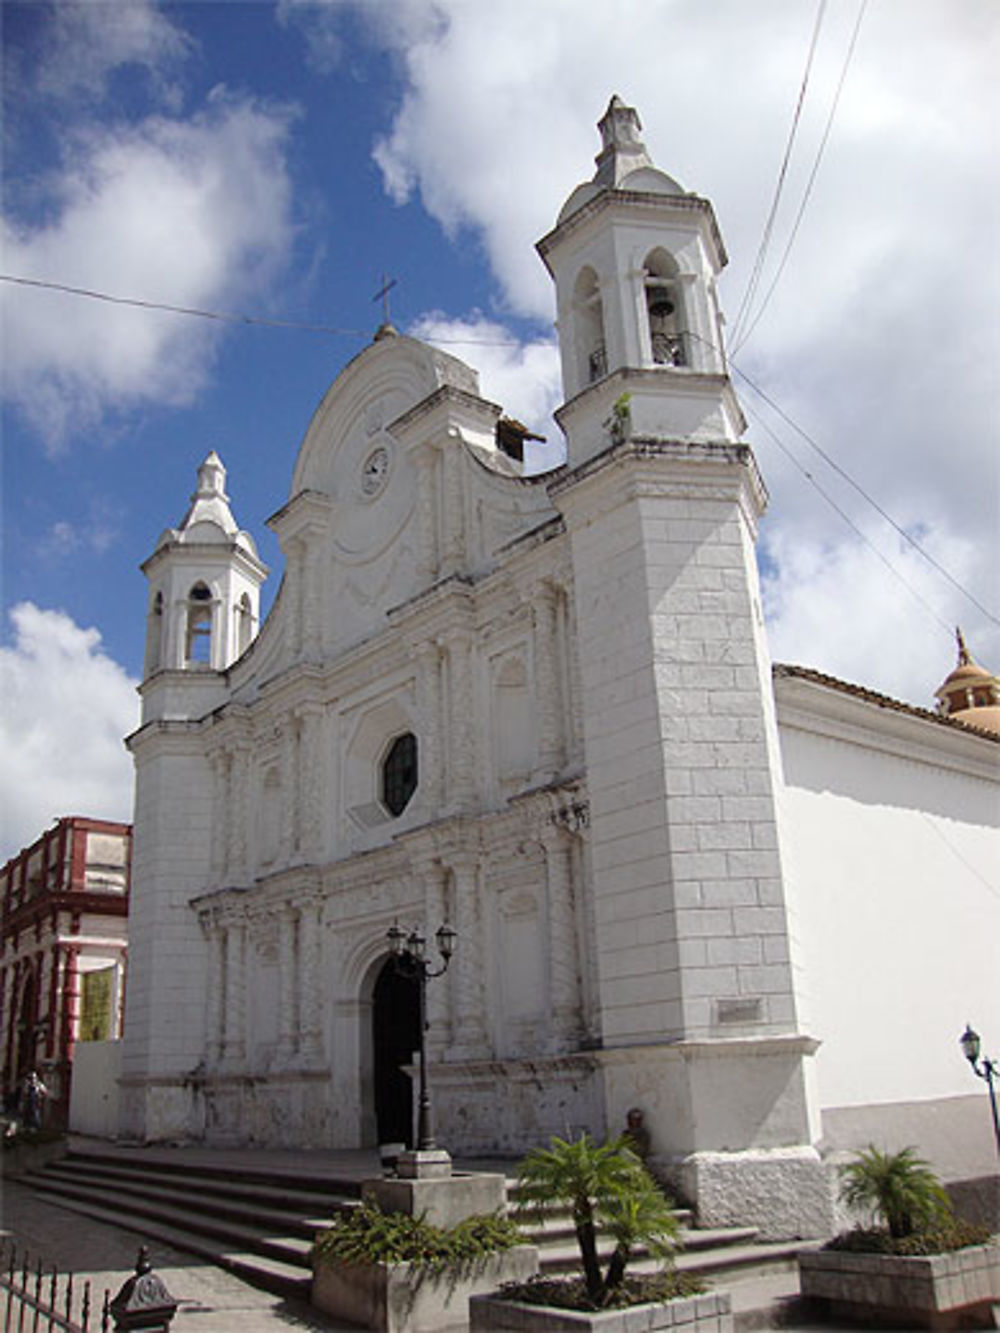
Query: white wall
x: 93, y: 1106
x: 895, y: 900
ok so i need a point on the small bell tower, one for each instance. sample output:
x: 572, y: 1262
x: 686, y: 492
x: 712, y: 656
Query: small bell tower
x: 204, y: 585
x: 635, y: 260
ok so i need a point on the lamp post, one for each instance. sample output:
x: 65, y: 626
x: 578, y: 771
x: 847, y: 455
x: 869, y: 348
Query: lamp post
x: 409, y: 955
x: 970, y: 1043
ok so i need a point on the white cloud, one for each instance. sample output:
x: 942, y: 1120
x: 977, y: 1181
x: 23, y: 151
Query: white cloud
x: 879, y: 334
x: 66, y: 708
x: 194, y: 213
x: 87, y: 41
x: 522, y: 377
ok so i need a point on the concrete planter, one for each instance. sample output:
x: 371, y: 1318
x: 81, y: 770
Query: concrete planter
x: 394, y: 1298
x: 933, y: 1291
x: 709, y: 1313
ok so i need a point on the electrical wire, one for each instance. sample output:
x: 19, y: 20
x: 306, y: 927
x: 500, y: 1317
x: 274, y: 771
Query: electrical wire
x: 328, y: 329
x: 841, y: 472
x: 849, y: 521
x: 229, y: 317
x: 741, y: 339
x: 765, y: 240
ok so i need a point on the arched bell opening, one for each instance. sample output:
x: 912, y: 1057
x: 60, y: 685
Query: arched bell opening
x: 588, y: 320
x: 665, y: 310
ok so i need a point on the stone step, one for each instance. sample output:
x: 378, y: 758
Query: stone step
x: 146, y: 1163
x: 260, y: 1224
x: 144, y: 1214
x: 284, y: 1279
x: 209, y: 1198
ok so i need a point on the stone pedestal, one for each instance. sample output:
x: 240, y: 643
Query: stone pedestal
x: 445, y: 1201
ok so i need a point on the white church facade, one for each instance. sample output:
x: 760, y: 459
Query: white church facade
x: 541, y: 708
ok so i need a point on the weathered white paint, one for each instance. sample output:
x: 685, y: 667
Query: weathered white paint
x: 94, y: 1106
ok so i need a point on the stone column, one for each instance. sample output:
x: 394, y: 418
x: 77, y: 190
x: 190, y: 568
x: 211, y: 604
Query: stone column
x: 564, y: 963
x: 234, y: 1027
x: 469, y: 1039
x: 461, y: 734
x: 545, y: 599
x: 430, y: 759
x: 288, y: 997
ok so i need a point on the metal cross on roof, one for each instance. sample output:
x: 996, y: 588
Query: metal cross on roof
x: 383, y: 295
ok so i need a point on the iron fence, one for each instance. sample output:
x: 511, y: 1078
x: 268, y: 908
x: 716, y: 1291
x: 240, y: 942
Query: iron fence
x: 34, y: 1300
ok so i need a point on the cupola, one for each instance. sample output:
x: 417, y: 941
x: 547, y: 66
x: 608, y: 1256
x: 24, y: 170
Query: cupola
x: 970, y: 693
x: 635, y: 259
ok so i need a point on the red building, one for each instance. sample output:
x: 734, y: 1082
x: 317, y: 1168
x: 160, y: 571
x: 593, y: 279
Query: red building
x: 63, y: 946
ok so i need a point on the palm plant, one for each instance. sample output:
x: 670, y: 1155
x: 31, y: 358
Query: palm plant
x: 899, y: 1188
x: 602, y: 1183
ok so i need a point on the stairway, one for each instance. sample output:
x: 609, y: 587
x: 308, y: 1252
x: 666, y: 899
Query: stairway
x: 259, y: 1224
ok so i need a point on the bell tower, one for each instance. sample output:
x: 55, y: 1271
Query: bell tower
x: 204, y: 585
x: 635, y: 260
x: 693, y: 948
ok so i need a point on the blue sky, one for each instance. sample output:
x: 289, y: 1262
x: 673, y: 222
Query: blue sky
x: 276, y: 159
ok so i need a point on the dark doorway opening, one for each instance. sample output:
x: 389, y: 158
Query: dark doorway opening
x: 395, y: 1038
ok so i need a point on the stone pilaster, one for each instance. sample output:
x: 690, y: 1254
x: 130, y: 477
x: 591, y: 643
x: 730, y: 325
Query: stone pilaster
x: 469, y: 1040
x: 311, y: 988
x: 440, y: 1019
x: 425, y: 461
x: 288, y: 995
x: 288, y: 841
x: 461, y: 734
x: 545, y: 607
x: 234, y: 1025
x: 431, y: 759
x: 215, y: 1017
x: 239, y: 819
x: 310, y: 718
x: 564, y: 962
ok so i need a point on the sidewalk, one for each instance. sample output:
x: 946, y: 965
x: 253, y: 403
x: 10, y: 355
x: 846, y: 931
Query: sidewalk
x: 209, y: 1299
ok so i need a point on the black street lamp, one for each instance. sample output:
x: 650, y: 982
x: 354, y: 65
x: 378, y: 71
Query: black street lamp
x: 410, y: 960
x: 970, y: 1043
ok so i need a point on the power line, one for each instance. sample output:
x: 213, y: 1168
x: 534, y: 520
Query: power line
x: 328, y: 329
x: 758, y: 263
x: 230, y: 317
x: 740, y: 341
x: 841, y: 472
x: 849, y: 521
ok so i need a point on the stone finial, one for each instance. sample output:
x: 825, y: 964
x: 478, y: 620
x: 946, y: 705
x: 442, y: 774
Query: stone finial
x: 964, y: 659
x: 622, y: 149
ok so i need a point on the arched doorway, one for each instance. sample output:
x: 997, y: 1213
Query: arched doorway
x: 395, y: 1038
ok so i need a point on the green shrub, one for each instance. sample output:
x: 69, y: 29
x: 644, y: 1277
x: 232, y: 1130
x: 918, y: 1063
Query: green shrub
x: 954, y: 1234
x: 900, y: 1189
x: 571, y: 1293
x: 604, y: 1184
x: 365, y: 1235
